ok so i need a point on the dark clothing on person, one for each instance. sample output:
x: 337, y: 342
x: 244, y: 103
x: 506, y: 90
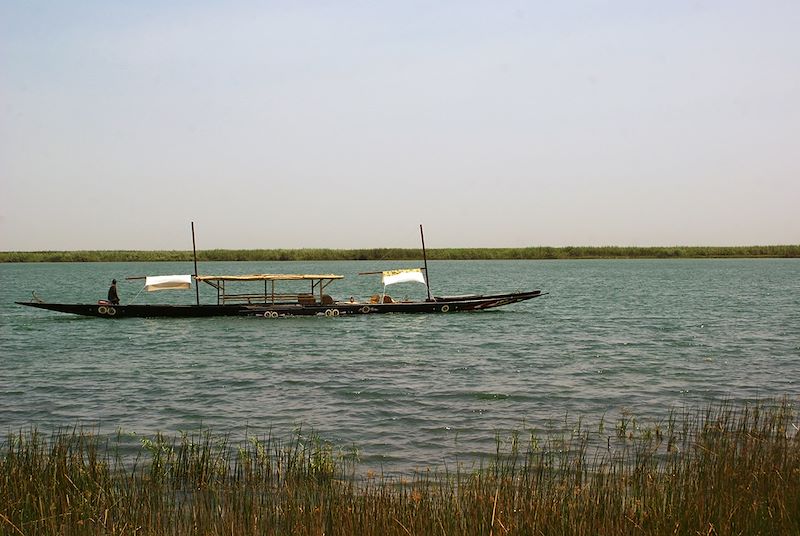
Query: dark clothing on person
x: 113, y: 297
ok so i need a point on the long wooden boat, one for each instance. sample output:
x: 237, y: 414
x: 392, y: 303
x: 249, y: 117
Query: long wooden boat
x: 269, y: 302
x: 263, y: 295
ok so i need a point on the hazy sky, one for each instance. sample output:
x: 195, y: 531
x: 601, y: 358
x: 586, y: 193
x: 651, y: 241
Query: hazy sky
x: 347, y: 124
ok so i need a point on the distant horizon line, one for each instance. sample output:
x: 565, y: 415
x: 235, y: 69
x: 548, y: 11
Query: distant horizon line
x: 384, y: 253
x: 359, y: 248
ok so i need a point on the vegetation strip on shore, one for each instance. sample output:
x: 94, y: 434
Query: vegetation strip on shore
x: 400, y: 254
x: 723, y: 470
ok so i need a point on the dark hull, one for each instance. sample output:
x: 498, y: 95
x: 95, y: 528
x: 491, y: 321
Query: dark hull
x: 439, y: 305
x: 445, y: 304
x: 139, y: 311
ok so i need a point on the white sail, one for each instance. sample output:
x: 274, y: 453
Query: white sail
x: 167, y: 282
x: 391, y: 277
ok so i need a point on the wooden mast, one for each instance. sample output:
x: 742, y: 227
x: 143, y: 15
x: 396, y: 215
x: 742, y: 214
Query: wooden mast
x: 425, y: 259
x: 194, y: 252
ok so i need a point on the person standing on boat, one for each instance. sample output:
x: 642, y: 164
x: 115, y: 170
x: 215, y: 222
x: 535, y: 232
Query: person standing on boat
x: 113, y: 297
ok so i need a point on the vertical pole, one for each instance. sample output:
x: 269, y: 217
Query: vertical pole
x: 425, y: 258
x: 194, y: 252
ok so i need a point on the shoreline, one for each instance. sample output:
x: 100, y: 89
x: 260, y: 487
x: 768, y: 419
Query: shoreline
x: 407, y: 254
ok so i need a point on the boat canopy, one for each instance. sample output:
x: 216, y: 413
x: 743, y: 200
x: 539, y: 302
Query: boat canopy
x: 390, y: 277
x: 269, y: 294
x: 268, y: 277
x: 167, y: 282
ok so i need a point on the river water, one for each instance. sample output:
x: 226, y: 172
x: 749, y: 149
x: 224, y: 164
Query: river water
x: 618, y: 337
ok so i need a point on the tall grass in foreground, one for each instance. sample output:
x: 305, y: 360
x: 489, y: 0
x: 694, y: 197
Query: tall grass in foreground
x: 723, y: 470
